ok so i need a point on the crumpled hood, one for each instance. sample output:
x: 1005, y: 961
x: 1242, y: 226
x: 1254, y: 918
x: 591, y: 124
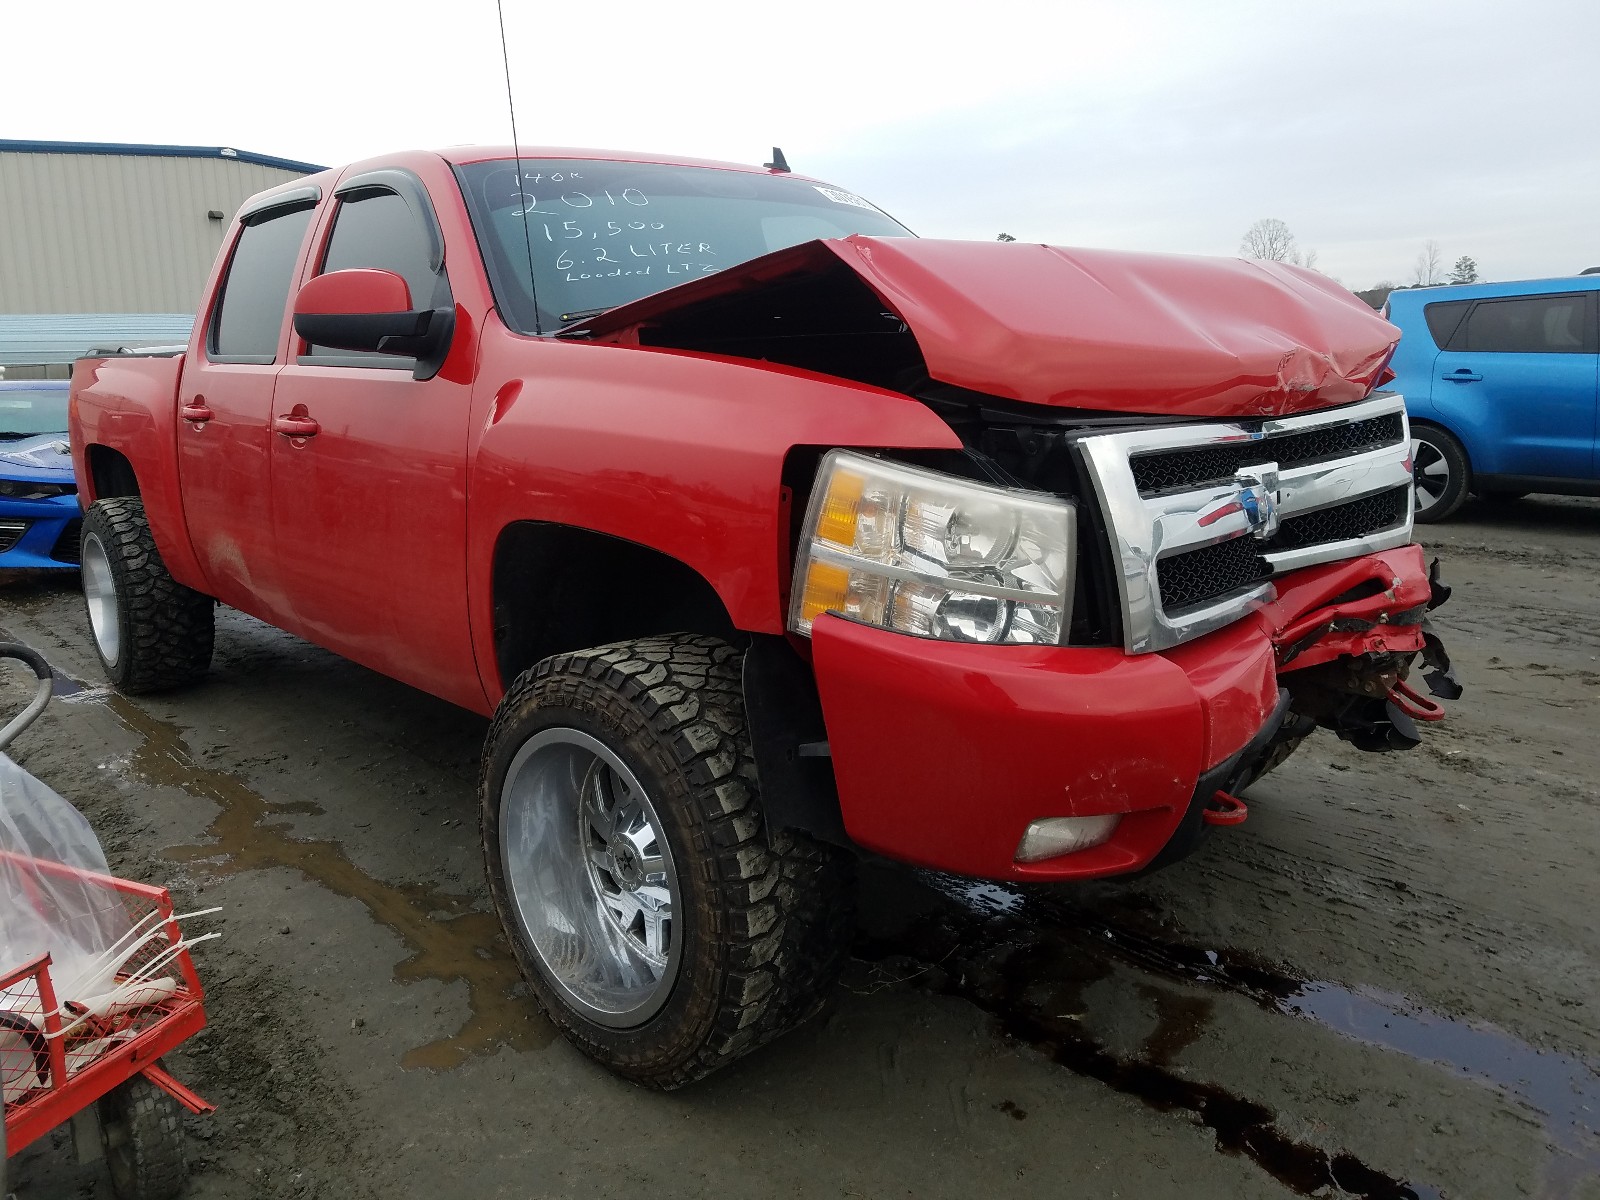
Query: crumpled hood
x: 1089, y: 329
x: 41, y: 458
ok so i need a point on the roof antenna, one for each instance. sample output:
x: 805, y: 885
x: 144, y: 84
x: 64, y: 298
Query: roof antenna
x: 516, y: 149
x: 778, y: 163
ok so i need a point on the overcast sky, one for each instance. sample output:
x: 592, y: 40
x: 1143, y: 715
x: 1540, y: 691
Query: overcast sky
x: 1156, y: 125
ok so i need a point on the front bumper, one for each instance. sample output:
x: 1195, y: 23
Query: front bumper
x: 944, y: 752
x: 48, y: 537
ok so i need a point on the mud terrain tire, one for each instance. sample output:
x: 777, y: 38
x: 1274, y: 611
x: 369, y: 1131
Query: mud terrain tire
x: 760, y: 923
x: 150, y: 631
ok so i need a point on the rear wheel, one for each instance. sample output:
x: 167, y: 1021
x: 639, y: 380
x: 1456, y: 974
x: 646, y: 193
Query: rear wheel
x: 1439, y: 473
x: 659, y: 923
x: 150, y: 631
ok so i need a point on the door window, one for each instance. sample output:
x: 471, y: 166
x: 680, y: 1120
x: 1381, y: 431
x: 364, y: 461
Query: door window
x: 376, y: 229
x: 1527, y: 325
x: 249, y: 316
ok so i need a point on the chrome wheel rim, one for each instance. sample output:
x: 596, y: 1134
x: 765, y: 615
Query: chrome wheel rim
x: 591, y: 878
x: 101, y: 593
x: 1430, y: 474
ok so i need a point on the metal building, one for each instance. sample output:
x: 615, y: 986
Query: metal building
x: 104, y: 244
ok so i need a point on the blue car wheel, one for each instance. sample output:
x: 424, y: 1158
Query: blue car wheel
x: 1439, y: 473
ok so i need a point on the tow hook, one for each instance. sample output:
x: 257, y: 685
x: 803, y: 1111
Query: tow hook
x: 1225, y: 809
x: 1418, y: 707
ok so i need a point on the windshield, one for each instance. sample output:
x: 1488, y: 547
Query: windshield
x: 27, y: 411
x: 601, y: 233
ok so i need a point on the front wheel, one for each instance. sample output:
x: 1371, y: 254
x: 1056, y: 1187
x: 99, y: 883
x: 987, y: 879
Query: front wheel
x: 150, y: 631
x: 659, y: 923
x: 1439, y: 473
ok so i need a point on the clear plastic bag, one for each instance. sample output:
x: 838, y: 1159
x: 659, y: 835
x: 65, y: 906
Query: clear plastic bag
x: 49, y: 911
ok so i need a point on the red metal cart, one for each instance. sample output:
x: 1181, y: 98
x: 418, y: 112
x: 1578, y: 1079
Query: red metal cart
x: 96, y: 1060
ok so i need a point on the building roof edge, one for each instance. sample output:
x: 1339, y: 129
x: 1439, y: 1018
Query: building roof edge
x: 227, y: 153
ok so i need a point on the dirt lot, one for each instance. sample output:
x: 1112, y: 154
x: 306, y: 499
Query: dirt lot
x: 1385, y: 984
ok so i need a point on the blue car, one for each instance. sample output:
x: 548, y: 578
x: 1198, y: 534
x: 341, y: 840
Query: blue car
x: 1502, y: 381
x: 39, y: 515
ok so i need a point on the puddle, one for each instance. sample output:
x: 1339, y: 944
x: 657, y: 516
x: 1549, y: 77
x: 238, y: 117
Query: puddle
x: 1034, y: 985
x: 448, y: 939
x: 1562, y: 1090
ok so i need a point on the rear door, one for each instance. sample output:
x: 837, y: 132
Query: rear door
x: 370, y: 510
x: 1518, y: 379
x: 225, y: 402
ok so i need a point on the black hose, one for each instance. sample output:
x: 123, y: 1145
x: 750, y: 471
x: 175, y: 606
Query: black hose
x: 26, y: 654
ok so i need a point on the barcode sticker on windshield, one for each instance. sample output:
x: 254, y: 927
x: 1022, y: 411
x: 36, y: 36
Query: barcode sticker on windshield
x: 842, y: 197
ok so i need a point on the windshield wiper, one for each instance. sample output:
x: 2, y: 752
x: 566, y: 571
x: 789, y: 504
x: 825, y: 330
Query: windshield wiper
x: 583, y: 314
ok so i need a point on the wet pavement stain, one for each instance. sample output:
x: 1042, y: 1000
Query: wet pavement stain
x: 1180, y: 1020
x: 449, y: 940
x: 1562, y: 1088
x: 976, y: 945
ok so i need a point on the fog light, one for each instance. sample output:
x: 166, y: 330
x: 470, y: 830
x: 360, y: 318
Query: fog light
x: 1053, y: 836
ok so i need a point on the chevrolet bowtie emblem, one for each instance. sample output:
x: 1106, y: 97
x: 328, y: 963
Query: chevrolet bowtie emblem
x: 1258, y: 498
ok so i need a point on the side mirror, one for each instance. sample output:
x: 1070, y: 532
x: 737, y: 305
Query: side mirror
x: 370, y: 310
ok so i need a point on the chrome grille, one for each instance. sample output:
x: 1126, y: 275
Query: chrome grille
x: 1203, y: 516
x: 1170, y: 469
x: 1196, y: 576
x: 1357, y: 519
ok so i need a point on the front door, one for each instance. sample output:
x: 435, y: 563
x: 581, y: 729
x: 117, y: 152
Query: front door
x: 369, y: 475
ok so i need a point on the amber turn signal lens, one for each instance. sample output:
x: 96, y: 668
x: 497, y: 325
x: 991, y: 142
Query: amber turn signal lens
x: 836, y: 522
x: 827, y: 586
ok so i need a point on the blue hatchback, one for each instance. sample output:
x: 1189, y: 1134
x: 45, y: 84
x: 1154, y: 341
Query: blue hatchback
x: 39, y: 515
x: 1502, y: 381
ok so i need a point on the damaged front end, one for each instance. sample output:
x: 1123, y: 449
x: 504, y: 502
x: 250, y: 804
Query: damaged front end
x: 1347, y: 665
x: 1214, y: 422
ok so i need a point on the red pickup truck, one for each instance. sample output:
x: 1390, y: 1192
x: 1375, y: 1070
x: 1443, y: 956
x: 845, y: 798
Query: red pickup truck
x: 770, y: 535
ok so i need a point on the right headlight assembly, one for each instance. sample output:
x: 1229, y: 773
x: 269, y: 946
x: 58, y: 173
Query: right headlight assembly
x: 930, y: 554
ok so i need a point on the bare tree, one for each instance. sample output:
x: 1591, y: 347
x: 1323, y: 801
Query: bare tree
x: 1429, y: 271
x: 1268, y: 238
x: 1465, y: 270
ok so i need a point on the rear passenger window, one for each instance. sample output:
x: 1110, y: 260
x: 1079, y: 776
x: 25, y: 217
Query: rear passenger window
x: 1444, y: 318
x: 256, y: 290
x: 1527, y: 325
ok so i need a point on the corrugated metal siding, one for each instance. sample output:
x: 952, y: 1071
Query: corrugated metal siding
x: 37, y: 339
x: 99, y: 233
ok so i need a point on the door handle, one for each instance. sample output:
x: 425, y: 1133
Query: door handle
x: 197, y: 411
x: 1463, y: 376
x: 296, y: 427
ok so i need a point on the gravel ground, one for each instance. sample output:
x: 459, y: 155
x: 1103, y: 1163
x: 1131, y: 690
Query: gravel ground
x: 1384, y: 984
